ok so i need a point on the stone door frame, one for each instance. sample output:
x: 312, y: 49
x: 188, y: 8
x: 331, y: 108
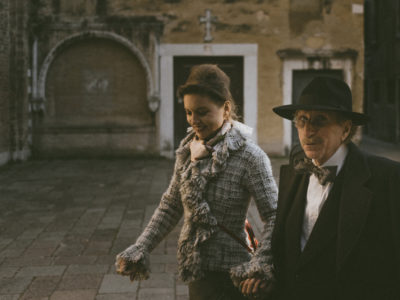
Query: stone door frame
x: 250, y: 84
x: 296, y: 60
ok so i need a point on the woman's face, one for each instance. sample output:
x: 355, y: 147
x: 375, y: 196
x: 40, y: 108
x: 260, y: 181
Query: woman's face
x: 204, y: 115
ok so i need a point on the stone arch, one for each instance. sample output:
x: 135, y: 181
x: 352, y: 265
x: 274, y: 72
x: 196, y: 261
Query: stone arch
x: 151, y: 92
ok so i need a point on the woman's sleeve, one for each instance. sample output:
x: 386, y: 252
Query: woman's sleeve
x: 262, y: 186
x: 164, y: 219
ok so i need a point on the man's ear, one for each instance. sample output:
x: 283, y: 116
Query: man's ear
x: 346, y: 129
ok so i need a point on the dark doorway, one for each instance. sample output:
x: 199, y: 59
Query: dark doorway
x: 232, y: 66
x: 300, y: 80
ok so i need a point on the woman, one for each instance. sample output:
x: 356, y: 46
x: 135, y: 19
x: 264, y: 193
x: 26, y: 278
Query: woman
x: 218, y: 168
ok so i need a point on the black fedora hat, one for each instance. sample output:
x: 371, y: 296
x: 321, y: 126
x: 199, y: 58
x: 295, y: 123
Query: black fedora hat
x: 324, y: 94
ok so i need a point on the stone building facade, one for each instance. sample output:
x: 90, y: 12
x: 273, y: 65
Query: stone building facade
x: 14, y: 60
x: 104, y: 72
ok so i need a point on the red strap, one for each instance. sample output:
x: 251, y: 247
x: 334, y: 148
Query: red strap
x: 251, y: 235
x: 234, y: 236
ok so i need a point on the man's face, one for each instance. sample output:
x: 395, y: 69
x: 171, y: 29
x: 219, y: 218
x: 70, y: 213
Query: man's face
x: 320, y: 133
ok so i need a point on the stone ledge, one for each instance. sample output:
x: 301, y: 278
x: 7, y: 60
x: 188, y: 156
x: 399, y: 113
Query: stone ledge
x: 321, y: 53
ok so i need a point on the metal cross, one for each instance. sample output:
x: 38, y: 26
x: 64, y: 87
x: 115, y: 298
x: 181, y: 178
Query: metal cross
x: 208, y: 20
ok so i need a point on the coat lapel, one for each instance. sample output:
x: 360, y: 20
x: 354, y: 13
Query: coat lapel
x: 354, y: 204
x: 294, y: 224
x: 288, y: 186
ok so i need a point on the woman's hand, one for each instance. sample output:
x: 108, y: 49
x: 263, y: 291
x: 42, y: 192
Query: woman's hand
x: 126, y: 268
x: 256, y: 288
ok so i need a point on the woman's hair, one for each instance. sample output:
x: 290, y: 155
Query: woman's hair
x: 209, y: 80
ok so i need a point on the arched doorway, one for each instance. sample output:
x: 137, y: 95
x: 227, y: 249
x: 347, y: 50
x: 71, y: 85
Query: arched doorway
x: 96, y: 92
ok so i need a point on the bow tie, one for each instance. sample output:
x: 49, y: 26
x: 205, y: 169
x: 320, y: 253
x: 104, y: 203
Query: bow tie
x: 324, y: 174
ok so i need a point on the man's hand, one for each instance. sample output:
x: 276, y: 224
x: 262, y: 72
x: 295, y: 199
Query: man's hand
x: 256, y: 288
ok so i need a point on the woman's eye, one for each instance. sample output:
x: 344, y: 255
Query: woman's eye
x: 202, y: 112
x: 189, y: 113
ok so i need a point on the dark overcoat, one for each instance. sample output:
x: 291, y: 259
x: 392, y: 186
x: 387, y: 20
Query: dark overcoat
x: 354, y: 249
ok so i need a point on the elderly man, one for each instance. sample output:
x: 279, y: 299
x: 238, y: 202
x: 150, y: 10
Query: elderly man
x: 337, y: 230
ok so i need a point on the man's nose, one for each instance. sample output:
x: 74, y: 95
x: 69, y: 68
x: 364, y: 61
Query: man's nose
x: 309, y: 129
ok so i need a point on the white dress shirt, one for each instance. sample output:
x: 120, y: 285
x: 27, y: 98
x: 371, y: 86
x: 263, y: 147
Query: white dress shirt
x: 317, y: 194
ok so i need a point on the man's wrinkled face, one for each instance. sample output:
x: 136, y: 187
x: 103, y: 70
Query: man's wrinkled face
x: 320, y: 133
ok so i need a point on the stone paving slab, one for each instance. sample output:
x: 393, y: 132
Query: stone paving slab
x: 87, y: 269
x: 156, y: 294
x: 8, y: 271
x: 63, y: 221
x: 113, y: 283
x: 41, y: 287
x: 126, y: 296
x: 159, y: 280
x: 23, y: 261
x: 40, y: 271
x: 9, y: 297
x: 80, y: 281
x: 14, y: 285
x: 74, y: 295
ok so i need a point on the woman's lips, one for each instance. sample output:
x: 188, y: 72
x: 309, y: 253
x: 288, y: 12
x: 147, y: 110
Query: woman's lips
x: 198, y: 128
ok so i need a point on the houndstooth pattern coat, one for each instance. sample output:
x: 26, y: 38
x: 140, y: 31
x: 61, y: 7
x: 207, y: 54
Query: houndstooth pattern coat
x: 207, y: 192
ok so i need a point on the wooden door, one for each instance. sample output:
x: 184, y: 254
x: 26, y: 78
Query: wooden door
x: 300, y: 80
x: 231, y: 65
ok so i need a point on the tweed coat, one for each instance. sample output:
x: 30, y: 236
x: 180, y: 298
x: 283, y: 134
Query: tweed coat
x: 354, y: 249
x: 207, y: 192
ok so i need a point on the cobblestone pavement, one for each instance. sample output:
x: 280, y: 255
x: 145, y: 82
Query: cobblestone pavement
x: 63, y: 221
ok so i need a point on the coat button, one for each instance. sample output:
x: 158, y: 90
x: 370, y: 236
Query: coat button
x: 297, y: 277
